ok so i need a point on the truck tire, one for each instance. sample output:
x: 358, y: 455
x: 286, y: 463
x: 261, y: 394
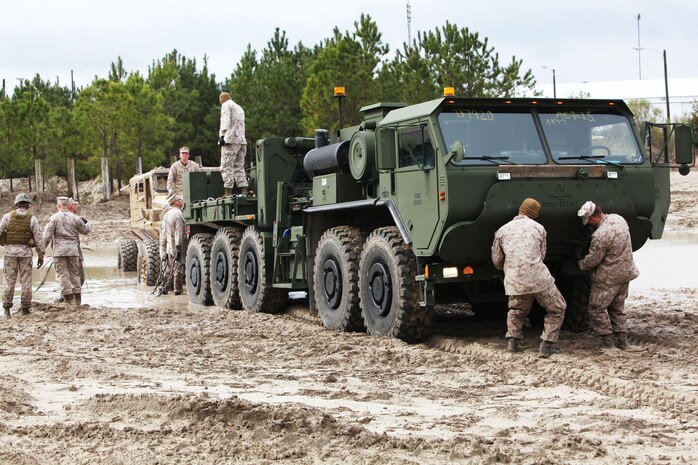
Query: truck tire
x: 127, y: 254
x: 148, y: 262
x: 254, y: 281
x: 575, y: 290
x: 389, y: 293
x: 336, y: 279
x: 198, y: 269
x: 224, y: 268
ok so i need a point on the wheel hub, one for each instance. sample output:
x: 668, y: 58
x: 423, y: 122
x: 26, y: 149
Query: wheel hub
x: 195, y: 275
x: 250, y: 272
x: 221, y: 264
x: 332, y: 283
x: 380, y: 289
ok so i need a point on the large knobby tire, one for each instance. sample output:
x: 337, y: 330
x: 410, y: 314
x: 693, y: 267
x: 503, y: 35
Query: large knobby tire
x: 254, y: 278
x: 127, y: 254
x: 336, y: 279
x: 389, y: 293
x: 576, y: 292
x: 198, y: 269
x: 148, y: 262
x: 224, y: 268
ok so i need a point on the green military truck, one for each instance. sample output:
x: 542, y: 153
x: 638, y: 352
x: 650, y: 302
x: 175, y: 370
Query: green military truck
x: 382, y: 221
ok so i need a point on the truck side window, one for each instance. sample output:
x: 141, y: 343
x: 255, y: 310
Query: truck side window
x: 416, y: 148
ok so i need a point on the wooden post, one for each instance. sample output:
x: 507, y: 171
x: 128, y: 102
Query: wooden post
x: 106, y: 185
x: 72, y: 180
x: 173, y: 158
x: 39, y: 176
x: 197, y: 159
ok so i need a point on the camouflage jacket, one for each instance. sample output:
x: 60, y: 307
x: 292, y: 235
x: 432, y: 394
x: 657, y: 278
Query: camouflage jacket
x: 63, y: 233
x: 232, y: 123
x: 173, y: 229
x: 610, y: 256
x: 519, y: 248
x: 21, y: 250
x: 175, y: 180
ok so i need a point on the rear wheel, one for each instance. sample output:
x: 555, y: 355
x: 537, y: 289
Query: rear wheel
x: 224, y: 268
x: 336, y: 279
x: 389, y: 292
x: 254, y: 280
x: 148, y: 262
x: 198, y: 269
x: 127, y: 254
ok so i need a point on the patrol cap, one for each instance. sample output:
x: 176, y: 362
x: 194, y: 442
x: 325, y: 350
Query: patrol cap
x: 184, y: 149
x: 22, y: 198
x: 173, y: 198
x: 62, y: 200
x: 586, y: 211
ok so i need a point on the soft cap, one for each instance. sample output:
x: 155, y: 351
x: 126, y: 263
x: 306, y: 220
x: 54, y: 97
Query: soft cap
x: 530, y: 207
x: 173, y: 198
x: 586, y: 211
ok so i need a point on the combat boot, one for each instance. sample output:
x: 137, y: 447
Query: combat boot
x: 25, y: 311
x: 621, y: 340
x: 547, y: 349
x: 7, y: 311
x: 607, y: 341
x: 512, y: 344
x: 77, y: 299
x: 244, y: 190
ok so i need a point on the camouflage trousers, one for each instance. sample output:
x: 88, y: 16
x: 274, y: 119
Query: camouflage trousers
x: 607, y: 308
x: 68, y: 274
x: 12, y: 267
x: 172, y: 275
x: 520, y: 306
x: 233, y: 165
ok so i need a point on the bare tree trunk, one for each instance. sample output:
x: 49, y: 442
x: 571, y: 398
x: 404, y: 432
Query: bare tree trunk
x: 29, y: 181
x: 11, y: 189
x: 106, y: 185
x: 197, y: 159
x: 72, y: 180
x: 39, y: 176
x: 173, y: 158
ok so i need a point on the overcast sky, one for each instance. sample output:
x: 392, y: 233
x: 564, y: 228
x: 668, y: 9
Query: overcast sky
x: 591, y: 40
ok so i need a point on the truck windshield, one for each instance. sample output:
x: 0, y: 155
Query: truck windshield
x: 588, y: 137
x: 493, y: 138
x: 160, y: 182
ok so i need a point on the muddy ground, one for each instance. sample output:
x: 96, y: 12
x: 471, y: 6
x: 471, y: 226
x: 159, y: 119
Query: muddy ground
x: 192, y: 385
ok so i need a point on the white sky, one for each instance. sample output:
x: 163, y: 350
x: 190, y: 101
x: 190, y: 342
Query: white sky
x: 591, y: 40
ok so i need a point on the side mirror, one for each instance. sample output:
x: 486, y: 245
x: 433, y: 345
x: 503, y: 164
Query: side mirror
x: 457, y: 152
x: 684, y: 144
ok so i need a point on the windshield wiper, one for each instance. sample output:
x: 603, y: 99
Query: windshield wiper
x: 594, y: 158
x: 491, y: 159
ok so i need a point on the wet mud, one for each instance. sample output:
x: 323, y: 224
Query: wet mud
x: 133, y: 379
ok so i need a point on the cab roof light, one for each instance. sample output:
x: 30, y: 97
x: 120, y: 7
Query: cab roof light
x: 449, y: 91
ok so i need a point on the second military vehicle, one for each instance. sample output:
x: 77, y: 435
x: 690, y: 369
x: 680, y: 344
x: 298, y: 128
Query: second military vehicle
x: 383, y: 220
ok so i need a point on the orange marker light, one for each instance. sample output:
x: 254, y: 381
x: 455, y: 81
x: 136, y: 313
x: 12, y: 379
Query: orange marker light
x: 468, y: 270
x: 449, y: 91
x: 426, y: 271
x: 339, y: 91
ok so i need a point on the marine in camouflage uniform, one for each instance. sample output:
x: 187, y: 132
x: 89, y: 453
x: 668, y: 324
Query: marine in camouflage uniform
x: 173, y: 233
x: 519, y: 249
x: 231, y: 138
x: 610, y: 260
x: 74, y: 207
x: 175, y: 179
x: 62, y: 232
x: 21, y: 231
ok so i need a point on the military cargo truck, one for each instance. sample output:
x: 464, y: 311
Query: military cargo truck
x: 147, y: 197
x: 382, y: 221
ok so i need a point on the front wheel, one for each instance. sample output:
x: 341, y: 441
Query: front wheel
x: 224, y: 268
x: 389, y: 292
x: 254, y: 280
x: 148, y: 262
x: 127, y: 254
x: 198, y: 269
x: 575, y: 290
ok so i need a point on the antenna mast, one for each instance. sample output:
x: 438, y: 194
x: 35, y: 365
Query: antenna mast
x: 409, y: 21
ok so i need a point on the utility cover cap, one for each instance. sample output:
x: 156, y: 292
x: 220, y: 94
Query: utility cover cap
x: 586, y: 211
x: 22, y: 198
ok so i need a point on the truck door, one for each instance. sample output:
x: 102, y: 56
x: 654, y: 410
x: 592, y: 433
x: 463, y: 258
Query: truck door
x: 416, y: 184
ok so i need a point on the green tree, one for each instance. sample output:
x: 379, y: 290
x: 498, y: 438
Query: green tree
x: 644, y: 111
x: 348, y: 59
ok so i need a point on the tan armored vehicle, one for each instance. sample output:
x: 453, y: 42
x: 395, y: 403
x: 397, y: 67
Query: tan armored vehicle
x: 148, y: 197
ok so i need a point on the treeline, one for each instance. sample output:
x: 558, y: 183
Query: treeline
x: 285, y: 90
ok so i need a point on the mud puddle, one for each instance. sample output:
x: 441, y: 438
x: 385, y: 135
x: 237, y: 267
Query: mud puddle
x: 667, y: 263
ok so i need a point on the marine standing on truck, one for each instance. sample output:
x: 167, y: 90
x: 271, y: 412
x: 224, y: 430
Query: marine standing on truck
x: 174, y: 233
x: 231, y: 138
x: 63, y: 232
x: 21, y: 231
x: 519, y: 249
x: 610, y: 260
x: 175, y: 179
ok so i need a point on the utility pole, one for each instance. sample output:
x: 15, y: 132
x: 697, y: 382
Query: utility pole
x: 639, y: 49
x: 409, y: 22
x: 666, y: 89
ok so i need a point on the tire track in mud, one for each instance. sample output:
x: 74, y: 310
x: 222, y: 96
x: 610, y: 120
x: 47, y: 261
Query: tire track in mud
x: 646, y: 394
